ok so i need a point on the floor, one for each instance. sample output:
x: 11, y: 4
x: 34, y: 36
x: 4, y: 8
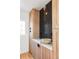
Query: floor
x: 26, y: 56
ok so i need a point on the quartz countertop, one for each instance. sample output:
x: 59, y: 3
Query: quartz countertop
x: 49, y: 46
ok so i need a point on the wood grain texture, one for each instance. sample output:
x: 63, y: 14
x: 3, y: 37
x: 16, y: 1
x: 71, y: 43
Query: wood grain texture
x: 55, y: 13
x: 51, y: 54
x: 38, y: 51
x: 26, y: 56
x: 34, y: 25
x: 46, y: 53
x: 55, y: 28
x: 43, y: 53
x: 55, y: 43
x: 33, y: 48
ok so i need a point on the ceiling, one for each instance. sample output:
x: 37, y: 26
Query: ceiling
x: 27, y: 5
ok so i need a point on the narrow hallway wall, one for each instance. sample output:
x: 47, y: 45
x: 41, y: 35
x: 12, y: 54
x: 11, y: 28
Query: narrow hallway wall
x: 24, y: 31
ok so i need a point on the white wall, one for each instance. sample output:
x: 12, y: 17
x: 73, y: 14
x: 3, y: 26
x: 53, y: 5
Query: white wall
x: 24, y: 31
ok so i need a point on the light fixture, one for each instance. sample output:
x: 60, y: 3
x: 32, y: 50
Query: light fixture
x: 45, y: 10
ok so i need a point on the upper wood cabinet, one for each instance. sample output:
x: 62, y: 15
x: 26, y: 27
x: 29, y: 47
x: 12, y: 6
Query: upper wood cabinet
x: 55, y: 14
x: 34, y: 23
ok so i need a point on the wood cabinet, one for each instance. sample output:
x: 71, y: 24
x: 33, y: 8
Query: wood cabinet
x: 36, y: 50
x: 41, y: 52
x: 46, y: 53
x: 51, y: 55
x: 34, y: 23
x: 34, y: 26
x: 55, y: 28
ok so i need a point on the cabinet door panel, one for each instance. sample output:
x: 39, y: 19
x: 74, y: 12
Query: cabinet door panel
x: 38, y: 51
x: 34, y: 49
x: 43, y: 52
x: 51, y: 54
x: 35, y: 23
x: 47, y: 53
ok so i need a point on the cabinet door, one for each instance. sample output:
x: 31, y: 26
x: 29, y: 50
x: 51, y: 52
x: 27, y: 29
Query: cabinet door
x: 34, y: 23
x: 34, y: 49
x: 47, y: 53
x: 51, y: 54
x: 43, y: 53
x: 34, y: 26
x: 38, y: 51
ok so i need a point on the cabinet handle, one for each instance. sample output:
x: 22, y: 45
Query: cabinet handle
x: 38, y: 45
x: 30, y: 29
